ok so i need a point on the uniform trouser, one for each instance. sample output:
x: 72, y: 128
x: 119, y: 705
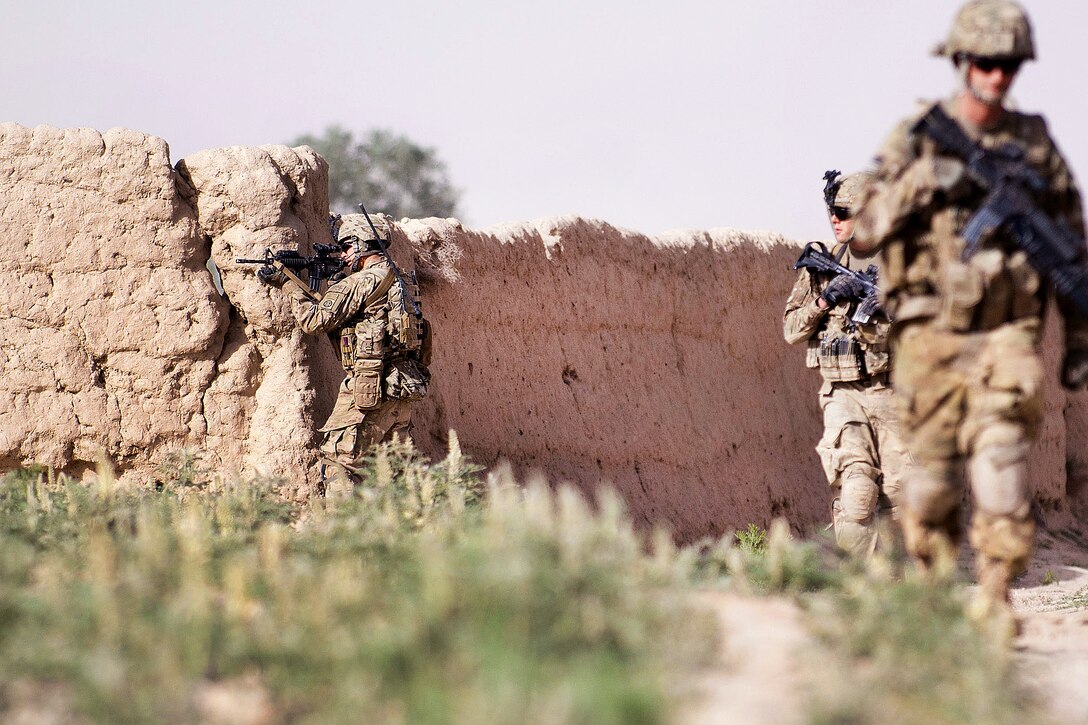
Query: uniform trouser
x: 341, y: 448
x: 970, y: 406
x: 864, y: 457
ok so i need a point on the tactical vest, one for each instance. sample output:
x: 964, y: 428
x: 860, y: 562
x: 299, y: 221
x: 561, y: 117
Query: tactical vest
x: 387, y: 346
x: 926, y: 275
x: 843, y: 350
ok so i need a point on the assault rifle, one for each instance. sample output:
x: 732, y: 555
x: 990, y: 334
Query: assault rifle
x: 1054, y: 250
x: 816, y: 258
x: 324, y: 264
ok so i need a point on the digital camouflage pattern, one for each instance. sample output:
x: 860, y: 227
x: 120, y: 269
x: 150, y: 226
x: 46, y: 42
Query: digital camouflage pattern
x: 863, y: 455
x: 861, y: 451
x: 989, y: 29
x: 355, y: 230
x: 966, y: 366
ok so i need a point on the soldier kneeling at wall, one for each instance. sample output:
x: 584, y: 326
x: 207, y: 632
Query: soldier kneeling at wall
x: 861, y: 450
x: 374, y: 313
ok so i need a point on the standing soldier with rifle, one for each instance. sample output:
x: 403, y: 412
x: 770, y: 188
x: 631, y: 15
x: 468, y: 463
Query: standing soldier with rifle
x: 373, y: 314
x: 833, y: 309
x: 976, y: 215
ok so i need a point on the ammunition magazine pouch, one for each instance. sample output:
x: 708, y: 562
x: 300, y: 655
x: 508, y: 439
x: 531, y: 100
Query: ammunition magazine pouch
x: 367, y: 383
x: 347, y: 348
x: 406, y: 379
x: 963, y: 288
x: 365, y: 341
x: 990, y: 290
x: 841, y: 359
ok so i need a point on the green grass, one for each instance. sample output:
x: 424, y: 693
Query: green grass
x: 431, y: 597
x: 1077, y: 600
x: 766, y: 562
x: 436, y: 595
x: 887, y: 647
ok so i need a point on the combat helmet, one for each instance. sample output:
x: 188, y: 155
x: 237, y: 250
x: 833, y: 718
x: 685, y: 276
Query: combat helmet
x: 989, y: 29
x: 844, y: 191
x: 355, y: 230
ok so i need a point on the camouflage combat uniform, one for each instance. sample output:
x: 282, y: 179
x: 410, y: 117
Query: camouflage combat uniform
x: 861, y: 450
x: 362, y: 416
x: 966, y: 334
x: 384, y: 342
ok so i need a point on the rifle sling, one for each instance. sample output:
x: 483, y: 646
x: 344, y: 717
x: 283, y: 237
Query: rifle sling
x: 381, y: 290
x: 310, y: 294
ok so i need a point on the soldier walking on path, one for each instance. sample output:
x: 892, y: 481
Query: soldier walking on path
x: 861, y: 451
x: 974, y: 211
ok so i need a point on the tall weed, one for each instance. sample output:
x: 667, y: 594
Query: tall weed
x: 431, y: 596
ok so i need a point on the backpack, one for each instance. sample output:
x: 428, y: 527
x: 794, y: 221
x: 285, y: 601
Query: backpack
x: 409, y: 335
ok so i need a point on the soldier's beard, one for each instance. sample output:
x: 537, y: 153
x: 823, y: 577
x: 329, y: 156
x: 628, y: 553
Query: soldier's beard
x: 990, y: 99
x: 995, y: 100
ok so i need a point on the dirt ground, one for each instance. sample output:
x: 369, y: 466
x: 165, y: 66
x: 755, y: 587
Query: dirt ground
x: 760, y: 674
x: 1052, y: 598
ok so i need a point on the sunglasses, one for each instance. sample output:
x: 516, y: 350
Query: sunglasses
x: 839, y: 212
x: 1008, y: 66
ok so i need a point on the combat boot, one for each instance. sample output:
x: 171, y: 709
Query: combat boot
x: 339, y: 485
x: 991, y: 608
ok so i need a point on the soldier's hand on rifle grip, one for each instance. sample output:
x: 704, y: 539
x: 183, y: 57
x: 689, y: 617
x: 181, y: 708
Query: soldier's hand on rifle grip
x: 843, y: 288
x: 271, y: 276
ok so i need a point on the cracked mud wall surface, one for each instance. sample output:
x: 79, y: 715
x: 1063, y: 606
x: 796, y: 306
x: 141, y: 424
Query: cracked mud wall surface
x: 110, y: 321
x: 657, y: 365
x: 274, y: 385
x: 587, y: 352
x: 117, y: 341
x: 595, y: 354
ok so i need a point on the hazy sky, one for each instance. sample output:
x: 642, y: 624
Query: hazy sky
x: 653, y: 116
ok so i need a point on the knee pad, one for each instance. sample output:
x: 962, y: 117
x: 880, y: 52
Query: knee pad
x: 859, y: 494
x: 999, y: 479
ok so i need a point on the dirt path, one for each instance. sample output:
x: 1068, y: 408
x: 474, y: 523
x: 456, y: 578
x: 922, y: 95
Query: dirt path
x: 760, y: 675
x: 1052, y: 650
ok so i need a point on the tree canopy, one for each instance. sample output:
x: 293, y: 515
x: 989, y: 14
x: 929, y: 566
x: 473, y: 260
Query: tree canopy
x: 385, y: 171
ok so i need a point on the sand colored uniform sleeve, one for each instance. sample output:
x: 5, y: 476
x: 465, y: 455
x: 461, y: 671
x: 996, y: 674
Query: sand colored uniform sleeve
x: 802, y: 317
x: 342, y: 302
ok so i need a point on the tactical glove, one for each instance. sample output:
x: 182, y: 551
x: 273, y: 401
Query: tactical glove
x: 843, y: 288
x: 271, y: 276
x: 1075, y: 370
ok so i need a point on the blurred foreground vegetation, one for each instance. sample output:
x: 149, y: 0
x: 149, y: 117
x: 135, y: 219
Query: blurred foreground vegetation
x: 435, y: 595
